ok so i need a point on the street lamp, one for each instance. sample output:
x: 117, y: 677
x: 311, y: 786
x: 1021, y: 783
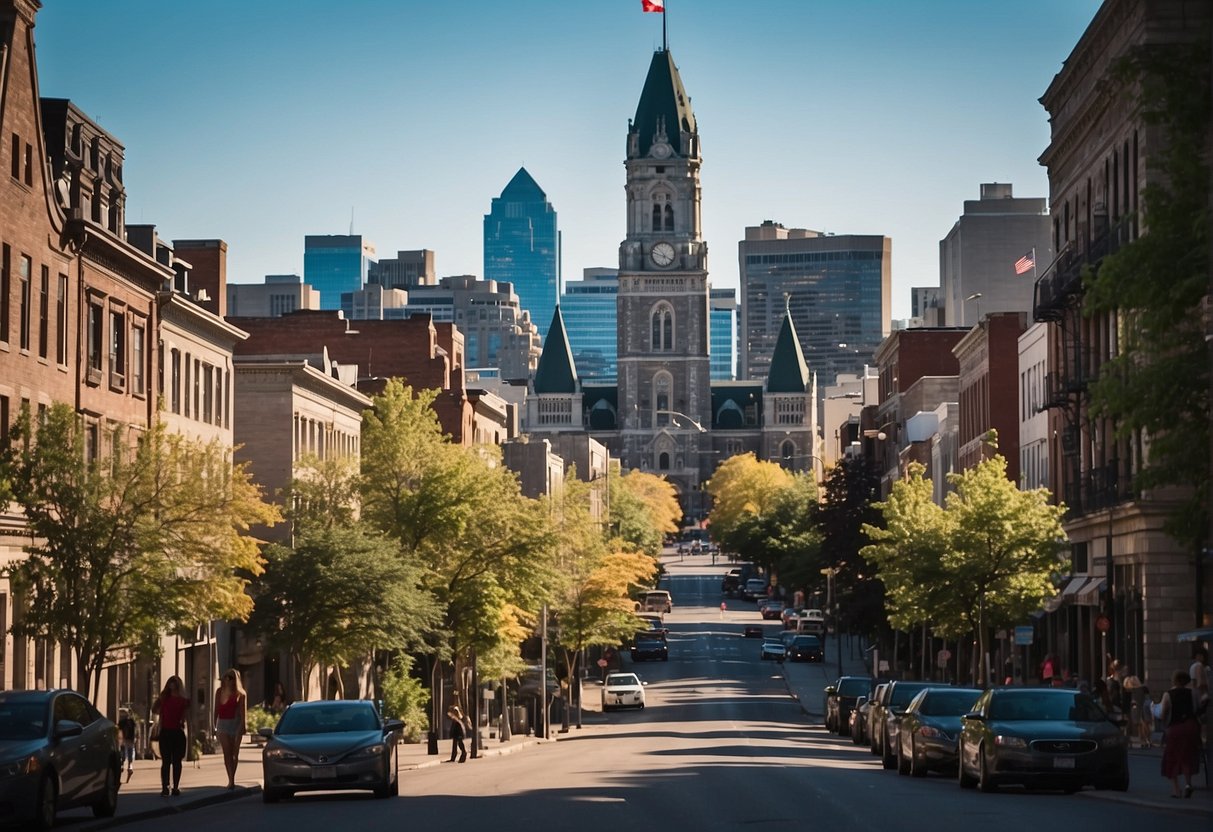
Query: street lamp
x: 976, y: 296
x: 694, y: 423
x: 831, y: 604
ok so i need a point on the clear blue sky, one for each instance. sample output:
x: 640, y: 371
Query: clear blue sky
x: 261, y: 121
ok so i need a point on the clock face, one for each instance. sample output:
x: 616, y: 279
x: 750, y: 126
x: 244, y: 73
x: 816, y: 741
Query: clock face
x: 660, y: 150
x: 662, y: 254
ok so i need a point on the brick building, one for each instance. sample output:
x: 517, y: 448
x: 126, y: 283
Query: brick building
x: 988, y: 367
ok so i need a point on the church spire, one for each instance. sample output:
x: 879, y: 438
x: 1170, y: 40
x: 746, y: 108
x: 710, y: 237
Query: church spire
x: 665, y: 106
x: 556, y: 372
x: 789, y: 371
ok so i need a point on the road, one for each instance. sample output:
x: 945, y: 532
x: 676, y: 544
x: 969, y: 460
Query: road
x: 721, y: 745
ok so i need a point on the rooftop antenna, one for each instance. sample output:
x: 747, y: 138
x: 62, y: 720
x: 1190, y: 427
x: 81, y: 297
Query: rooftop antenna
x: 665, y: 42
x: 351, y: 220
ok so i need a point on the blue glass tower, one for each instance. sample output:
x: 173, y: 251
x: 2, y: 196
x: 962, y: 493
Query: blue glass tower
x: 522, y: 246
x: 588, y: 308
x: 722, y: 324
x: 336, y: 263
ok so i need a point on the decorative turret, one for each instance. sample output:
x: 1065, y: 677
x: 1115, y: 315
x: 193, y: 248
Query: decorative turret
x: 556, y: 372
x: 789, y: 371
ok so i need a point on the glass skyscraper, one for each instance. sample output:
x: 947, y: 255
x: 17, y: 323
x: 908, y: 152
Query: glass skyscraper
x: 522, y: 246
x: 722, y: 325
x: 336, y: 263
x: 588, y: 307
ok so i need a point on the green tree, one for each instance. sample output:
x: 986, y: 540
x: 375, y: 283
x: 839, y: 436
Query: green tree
x: 1157, y: 386
x: 744, y: 490
x: 339, y: 594
x: 405, y: 697
x: 643, y: 509
x: 851, y: 488
x: 131, y: 544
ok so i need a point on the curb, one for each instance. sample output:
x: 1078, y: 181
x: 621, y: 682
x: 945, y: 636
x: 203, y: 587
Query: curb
x: 174, y: 808
x: 1185, y: 807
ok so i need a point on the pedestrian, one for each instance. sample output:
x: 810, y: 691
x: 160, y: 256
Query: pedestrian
x: 279, y: 700
x: 457, y: 733
x: 1049, y: 670
x: 1181, y: 738
x: 231, y: 721
x: 1199, y: 673
x: 126, y: 727
x: 172, y: 707
x: 1145, y: 717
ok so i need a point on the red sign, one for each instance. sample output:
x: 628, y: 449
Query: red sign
x: 602, y: 662
x: 1103, y: 623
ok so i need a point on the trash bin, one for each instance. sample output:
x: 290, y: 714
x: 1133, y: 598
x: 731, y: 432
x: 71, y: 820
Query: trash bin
x: 520, y: 724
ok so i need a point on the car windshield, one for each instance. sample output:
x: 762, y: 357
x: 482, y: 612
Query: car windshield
x: 1046, y: 706
x: 948, y: 702
x: 22, y: 720
x: 622, y: 680
x: 854, y: 687
x: 806, y: 641
x: 903, y: 693
x: 328, y: 719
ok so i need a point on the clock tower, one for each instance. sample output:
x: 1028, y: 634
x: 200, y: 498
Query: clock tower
x: 664, y: 384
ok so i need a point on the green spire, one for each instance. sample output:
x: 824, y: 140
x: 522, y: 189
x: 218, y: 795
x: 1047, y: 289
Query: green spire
x: 556, y: 372
x: 789, y: 371
x: 664, y: 103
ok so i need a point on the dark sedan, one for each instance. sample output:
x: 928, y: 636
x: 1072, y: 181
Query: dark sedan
x: 1053, y: 738
x: 858, y: 723
x: 896, y: 697
x: 649, y: 647
x: 926, y: 734
x: 804, y: 648
x: 840, y: 698
x: 330, y: 745
x: 56, y: 752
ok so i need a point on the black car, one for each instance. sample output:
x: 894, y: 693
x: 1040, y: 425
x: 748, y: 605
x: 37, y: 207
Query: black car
x: 927, y: 731
x: 1052, y: 738
x: 858, y: 723
x: 804, y: 648
x: 56, y: 752
x: 896, y: 697
x: 840, y: 698
x: 649, y: 647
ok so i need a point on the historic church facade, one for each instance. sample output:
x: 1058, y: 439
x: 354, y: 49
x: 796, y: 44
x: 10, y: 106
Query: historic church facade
x: 664, y: 414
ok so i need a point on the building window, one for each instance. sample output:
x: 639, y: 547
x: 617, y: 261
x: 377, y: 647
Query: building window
x: 117, y: 354
x: 186, y: 402
x: 3, y: 422
x: 663, y: 461
x: 175, y: 397
x: 29, y: 165
x: 137, y: 335
x: 5, y: 290
x: 24, y: 270
x: 96, y: 327
x: 196, y: 396
x: 669, y: 217
x: 208, y: 388
x: 61, y: 322
x: 662, y: 326
x: 92, y: 442
x: 44, y: 312
x: 16, y: 159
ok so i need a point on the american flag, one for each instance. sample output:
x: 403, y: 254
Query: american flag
x: 1026, y: 263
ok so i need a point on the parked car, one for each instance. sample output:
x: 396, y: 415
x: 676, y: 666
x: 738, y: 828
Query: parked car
x: 789, y: 616
x: 646, y: 646
x: 772, y: 648
x: 652, y: 624
x: 56, y: 752
x: 858, y: 723
x: 656, y: 600
x: 330, y: 745
x: 1053, y: 738
x: 770, y: 608
x: 755, y: 588
x: 875, y: 717
x: 805, y: 648
x: 786, y: 637
x: 897, y: 696
x: 840, y: 699
x: 730, y: 584
x: 752, y: 631
x: 622, y: 690
x: 926, y: 734
x: 812, y: 622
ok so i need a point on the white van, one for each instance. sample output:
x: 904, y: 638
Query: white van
x: 811, y: 621
x: 656, y: 600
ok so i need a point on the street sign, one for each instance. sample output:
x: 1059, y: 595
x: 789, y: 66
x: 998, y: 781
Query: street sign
x: 943, y: 657
x: 602, y: 662
x: 1103, y: 623
x: 1024, y: 634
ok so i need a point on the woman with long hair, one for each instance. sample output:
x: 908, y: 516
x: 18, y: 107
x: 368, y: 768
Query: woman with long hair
x: 172, y: 707
x: 1181, y: 738
x: 230, y: 722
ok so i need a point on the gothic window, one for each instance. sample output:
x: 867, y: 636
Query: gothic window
x: 662, y: 326
x: 656, y: 217
x: 662, y: 383
x: 669, y: 217
x: 787, y: 454
x: 663, y: 462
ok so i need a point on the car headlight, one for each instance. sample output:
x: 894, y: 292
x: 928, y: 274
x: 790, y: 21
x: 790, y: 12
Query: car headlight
x: 26, y: 765
x: 1006, y: 741
x: 374, y: 750
x: 1114, y: 741
x: 280, y: 754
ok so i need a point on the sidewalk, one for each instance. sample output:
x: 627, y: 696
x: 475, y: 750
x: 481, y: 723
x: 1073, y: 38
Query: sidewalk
x: 1147, y: 787
x: 204, y: 783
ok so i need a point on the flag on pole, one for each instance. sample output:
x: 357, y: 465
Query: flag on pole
x: 653, y: 6
x: 1027, y: 263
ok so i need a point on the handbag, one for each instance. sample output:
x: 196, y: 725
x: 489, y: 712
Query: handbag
x: 154, y: 735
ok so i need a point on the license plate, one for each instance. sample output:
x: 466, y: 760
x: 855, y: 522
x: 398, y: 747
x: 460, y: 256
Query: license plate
x: 324, y: 772
x: 1063, y: 762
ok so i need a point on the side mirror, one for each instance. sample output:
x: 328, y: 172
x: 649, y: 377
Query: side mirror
x: 390, y: 726
x: 863, y: 700
x: 268, y: 733
x: 65, y: 728
x: 973, y: 716
x: 601, y: 682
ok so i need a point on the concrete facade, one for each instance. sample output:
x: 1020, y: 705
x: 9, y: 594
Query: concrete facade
x: 280, y: 294
x: 1033, y: 416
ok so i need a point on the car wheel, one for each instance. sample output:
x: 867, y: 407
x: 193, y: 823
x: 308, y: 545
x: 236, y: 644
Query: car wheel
x: 382, y: 791
x: 985, y: 780
x: 107, y: 802
x: 48, y: 796
x: 641, y: 706
x: 274, y: 795
x: 962, y: 777
x: 903, y: 763
x: 917, y: 769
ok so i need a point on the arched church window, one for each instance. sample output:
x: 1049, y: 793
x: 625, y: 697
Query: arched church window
x: 669, y: 217
x: 662, y: 328
x: 663, y: 462
x: 787, y: 454
x: 662, y: 383
x: 656, y: 217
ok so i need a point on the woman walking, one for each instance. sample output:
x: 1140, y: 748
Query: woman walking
x: 457, y: 732
x: 172, y: 707
x: 230, y: 723
x: 1181, y: 740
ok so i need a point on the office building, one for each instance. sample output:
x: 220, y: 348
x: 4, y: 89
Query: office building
x: 407, y: 270
x: 588, y: 308
x: 723, y: 332
x: 336, y: 263
x: 280, y: 294
x: 522, y: 246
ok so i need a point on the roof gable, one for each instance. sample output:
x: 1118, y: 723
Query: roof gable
x: 556, y: 372
x: 789, y: 371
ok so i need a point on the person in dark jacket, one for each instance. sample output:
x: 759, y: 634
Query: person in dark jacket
x: 457, y: 733
x: 1182, y: 733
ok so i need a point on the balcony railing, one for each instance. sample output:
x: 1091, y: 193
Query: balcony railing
x: 1063, y: 279
x: 1097, y: 489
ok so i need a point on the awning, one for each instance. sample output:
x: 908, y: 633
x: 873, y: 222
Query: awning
x: 1088, y: 596
x: 1203, y: 634
x: 1071, y: 588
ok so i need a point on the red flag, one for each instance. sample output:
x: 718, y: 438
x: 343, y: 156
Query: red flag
x: 653, y: 6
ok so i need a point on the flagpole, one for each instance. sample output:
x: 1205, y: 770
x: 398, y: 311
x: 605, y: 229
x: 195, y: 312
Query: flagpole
x: 665, y: 42
x: 1034, y: 263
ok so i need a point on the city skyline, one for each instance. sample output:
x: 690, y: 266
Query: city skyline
x: 884, y: 124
